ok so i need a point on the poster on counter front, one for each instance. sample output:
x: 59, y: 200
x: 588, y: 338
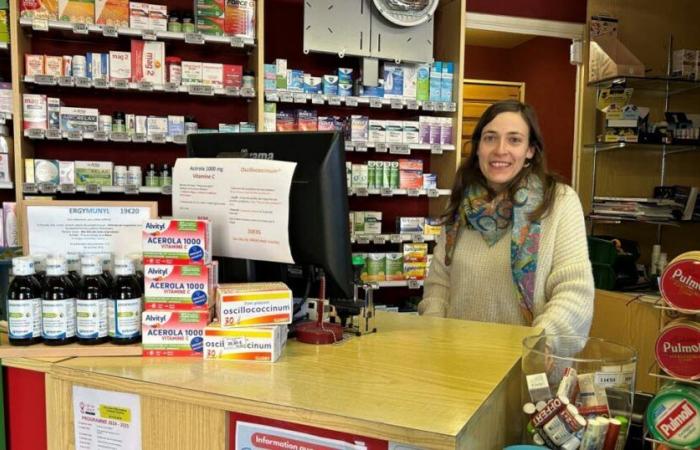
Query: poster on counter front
x: 84, y: 227
x: 106, y: 420
x: 246, y: 200
x: 253, y: 436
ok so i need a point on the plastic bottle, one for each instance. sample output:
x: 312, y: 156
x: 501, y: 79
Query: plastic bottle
x: 73, y: 264
x: 91, y: 305
x: 124, y: 309
x: 24, y: 304
x: 58, y: 305
x: 40, y: 267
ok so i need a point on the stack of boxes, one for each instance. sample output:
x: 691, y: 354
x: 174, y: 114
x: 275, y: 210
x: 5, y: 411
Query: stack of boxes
x: 210, y: 16
x: 179, y: 279
x: 411, y: 264
x: 401, y: 174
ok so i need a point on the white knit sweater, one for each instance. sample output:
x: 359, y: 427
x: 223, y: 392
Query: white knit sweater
x: 479, y: 286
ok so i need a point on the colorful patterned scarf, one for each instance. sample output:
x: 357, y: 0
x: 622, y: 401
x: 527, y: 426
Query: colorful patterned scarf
x: 493, y: 219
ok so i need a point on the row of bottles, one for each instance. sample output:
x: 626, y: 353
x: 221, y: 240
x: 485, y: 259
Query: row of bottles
x: 55, y: 305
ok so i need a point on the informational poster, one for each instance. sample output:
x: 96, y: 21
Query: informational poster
x: 246, y: 200
x: 106, y: 420
x: 87, y: 228
x: 252, y: 436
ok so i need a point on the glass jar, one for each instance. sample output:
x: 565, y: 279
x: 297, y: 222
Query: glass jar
x: 174, y: 24
x: 187, y: 23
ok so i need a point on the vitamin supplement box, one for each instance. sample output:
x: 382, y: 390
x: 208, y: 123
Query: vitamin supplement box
x: 173, y: 333
x: 177, y: 287
x: 253, y: 304
x: 175, y: 241
x: 245, y: 343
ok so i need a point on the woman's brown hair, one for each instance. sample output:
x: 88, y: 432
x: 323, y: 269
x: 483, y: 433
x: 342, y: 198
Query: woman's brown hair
x: 469, y: 172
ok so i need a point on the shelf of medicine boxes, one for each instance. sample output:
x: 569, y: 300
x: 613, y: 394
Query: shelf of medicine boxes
x: 281, y: 96
x: 146, y: 35
x: 397, y: 149
x: 389, y: 192
x: 381, y: 239
x: 144, y: 86
x: 92, y: 189
x: 651, y: 84
x: 101, y: 136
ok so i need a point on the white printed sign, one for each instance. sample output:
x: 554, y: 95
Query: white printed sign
x: 106, y: 420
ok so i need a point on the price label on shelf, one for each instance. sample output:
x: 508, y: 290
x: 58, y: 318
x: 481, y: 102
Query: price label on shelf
x: 436, y: 149
x: 67, y: 188
x: 35, y: 133
x: 232, y: 91
x: 381, y: 147
x: 145, y: 86
x: 396, y: 103
x: 131, y: 189
x: 379, y: 240
x: 451, y: 107
x: 139, y: 137
x: 74, y: 135
x: 300, y: 97
x: 45, y: 80
x: 120, y: 84
x: 387, y: 192
x: 158, y: 138
x: 194, y: 38
x: 100, y: 83
x: 334, y: 100
x: 419, y: 238
x: 54, y: 135
x: 93, y: 189
x: 237, y: 42
x: 180, y: 139
x: 166, y: 190
x: 80, y: 28
x: 101, y: 136
x: 65, y: 81
x: 413, y: 192
x: 110, y: 31
x: 171, y: 87
x: 361, y: 147
x: 317, y: 99
x: 83, y: 82
x: 30, y: 188
x: 412, y: 104
x: 361, y: 192
x: 399, y: 149
x: 396, y: 238
x: 200, y: 89
x: 351, y: 101
x: 119, y: 137
x: 248, y: 92
x: 286, y: 97
x: 439, y: 106
x: 433, y: 193
x: 375, y: 102
x: 428, y: 106
x: 414, y: 284
x: 3, y: 118
x: 272, y: 96
x: 349, y: 146
x: 47, y: 188
x: 40, y: 25
x: 149, y: 35
x: 363, y: 240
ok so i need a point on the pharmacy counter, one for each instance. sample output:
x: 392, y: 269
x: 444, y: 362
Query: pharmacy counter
x: 433, y: 383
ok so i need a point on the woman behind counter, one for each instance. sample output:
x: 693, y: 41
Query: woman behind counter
x: 513, y: 249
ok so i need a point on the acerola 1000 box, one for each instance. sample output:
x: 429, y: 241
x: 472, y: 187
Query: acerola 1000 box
x: 177, y: 287
x: 173, y: 333
x: 174, y: 241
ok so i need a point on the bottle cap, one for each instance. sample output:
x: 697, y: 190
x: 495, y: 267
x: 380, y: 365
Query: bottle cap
x: 124, y: 266
x: 56, y: 266
x: 22, y: 266
x: 92, y: 265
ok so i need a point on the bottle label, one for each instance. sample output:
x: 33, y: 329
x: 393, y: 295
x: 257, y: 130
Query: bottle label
x: 58, y: 319
x: 24, y: 318
x: 124, y: 318
x: 91, y: 318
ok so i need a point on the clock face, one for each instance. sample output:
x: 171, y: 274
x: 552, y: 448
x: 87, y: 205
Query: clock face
x: 406, y: 13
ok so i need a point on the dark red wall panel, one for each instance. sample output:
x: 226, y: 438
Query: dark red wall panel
x: 562, y: 10
x: 25, y: 409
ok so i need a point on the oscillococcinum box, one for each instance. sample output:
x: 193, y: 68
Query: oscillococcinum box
x: 253, y: 304
x: 177, y: 287
x: 173, y: 333
x: 244, y: 343
x: 175, y: 241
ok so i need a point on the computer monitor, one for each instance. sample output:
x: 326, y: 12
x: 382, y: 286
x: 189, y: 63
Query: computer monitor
x: 319, y: 233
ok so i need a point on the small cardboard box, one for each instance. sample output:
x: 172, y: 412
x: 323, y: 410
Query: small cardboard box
x: 77, y: 11
x: 253, y: 304
x: 112, y: 12
x: 245, y: 343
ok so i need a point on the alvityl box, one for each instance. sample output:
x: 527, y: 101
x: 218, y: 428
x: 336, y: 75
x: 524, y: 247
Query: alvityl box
x: 175, y: 241
x: 245, y: 343
x: 177, y: 287
x: 253, y: 304
x: 173, y: 333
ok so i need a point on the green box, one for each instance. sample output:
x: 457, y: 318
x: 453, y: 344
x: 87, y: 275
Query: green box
x: 394, y: 266
x: 93, y: 172
x: 376, y: 267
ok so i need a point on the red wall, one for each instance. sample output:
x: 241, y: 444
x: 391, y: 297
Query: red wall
x: 550, y: 87
x: 562, y: 10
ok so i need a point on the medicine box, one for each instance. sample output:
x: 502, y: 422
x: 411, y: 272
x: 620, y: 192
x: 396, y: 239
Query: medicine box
x: 79, y: 119
x: 158, y: 17
x: 138, y: 16
x: 181, y: 287
x: 173, y: 333
x: 176, y: 241
x: 53, y: 65
x: 53, y: 113
x: 411, y: 225
x: 97, y: 66
x: 410, y: 80
x: 253, y: 304
x: 307, y: 120
x: 77, y: 11
x: 176, y: 125
x: 39, y: 9
x: 411, y: 132
x: 394, y: 267
x: 94, y: 172
x: 213, y: 74
x: 376, y: 267
x: 66, y: 172
x: 436, y: 82
x: 330, y: 85
x: 394, y: 131
x: 34, y: 111
x: 233, y: 75
x: 281, y: 65
x: 112, y: 12
x: 5, y: 168
x: 393, y: 80
x: 447, y: 80
x: 423, y: 82
x: 148, y: 61
x: 46, y: 171
x: 120, y: 65
x: 245, y: 343
x: 295, y: 80
x: 192, y: 73
x: 415, y: 252
x: 157, y: 125
x: 377, y: 131
x: 33, y: 65
x: 358, y: 128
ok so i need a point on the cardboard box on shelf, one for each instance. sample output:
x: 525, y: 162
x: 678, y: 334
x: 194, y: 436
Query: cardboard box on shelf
x: 112, y: 12
x: 34, y: 111
x: 77, y: 11
x: 94, y: 172
x: 240, y: 18
x: 148, y: 61
x: 39, y: 9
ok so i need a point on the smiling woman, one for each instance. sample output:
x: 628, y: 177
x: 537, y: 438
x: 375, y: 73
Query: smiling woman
x: 541, y: 276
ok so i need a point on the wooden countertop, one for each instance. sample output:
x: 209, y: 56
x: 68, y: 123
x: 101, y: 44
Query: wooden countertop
x: 418, y: 379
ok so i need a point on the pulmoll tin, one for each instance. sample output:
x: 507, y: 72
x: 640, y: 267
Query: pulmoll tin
x: 678, y: 349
